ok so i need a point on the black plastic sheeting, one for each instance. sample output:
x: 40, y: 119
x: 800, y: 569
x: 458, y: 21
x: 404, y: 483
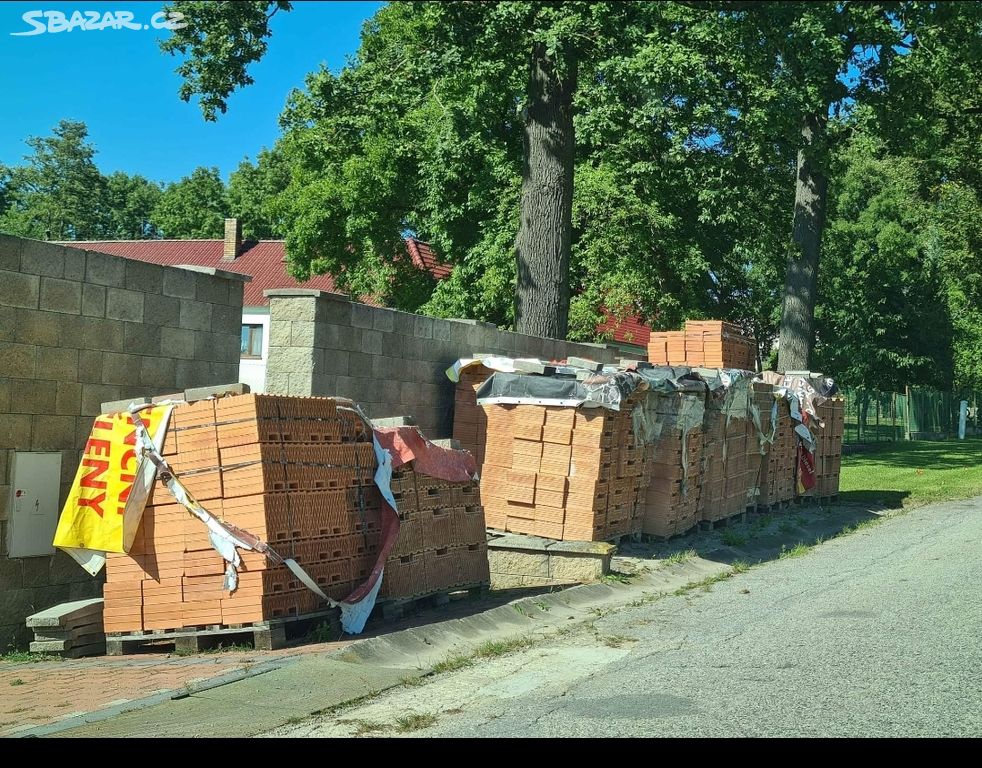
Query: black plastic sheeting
x: 605, y: 390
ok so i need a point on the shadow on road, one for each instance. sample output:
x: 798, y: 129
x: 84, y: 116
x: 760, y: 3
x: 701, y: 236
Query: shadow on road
x: 762, y: 537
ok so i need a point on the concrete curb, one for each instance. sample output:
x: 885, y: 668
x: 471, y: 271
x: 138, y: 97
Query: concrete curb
x: 301, y: 686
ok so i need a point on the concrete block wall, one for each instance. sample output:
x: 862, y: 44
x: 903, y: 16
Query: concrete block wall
x: 79, y: 328
x: 392, y: 363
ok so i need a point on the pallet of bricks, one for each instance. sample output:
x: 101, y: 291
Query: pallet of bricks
x: 562, y: 472
x: 828, y: 448
x: 296, y: 472
x: 470, y: 423
x: 706, y: 344
x: 776, y: 465
x: 442, y: 541
x: 730, y: 458
x: 672, y: 483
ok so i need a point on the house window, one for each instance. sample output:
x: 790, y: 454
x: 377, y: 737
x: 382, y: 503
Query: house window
x: 252, y: 342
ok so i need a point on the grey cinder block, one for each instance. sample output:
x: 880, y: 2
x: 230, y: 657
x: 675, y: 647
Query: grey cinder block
x: 93, y: 396
x: 19, y: 290
x: 394, y: 421
x: 142, y: 338
x: 93, y: 300
x: 74, y: 264
x: 177, y: 343
x: 383, y: 320
x: 195, y: 315
x: 53, y: 433
x: 158, y: 372
x: 10, y: 250
x: 584, y: 363
x: 45, y: 259
x: 362, y: 316
x: 57, y: 363
x: 179, y: 283
x: 303, y: 333
x: 122, y: 304
x: 18, y: 360
x: 103, y: 269
x: 162, y: 310
x: 102, y: 334
x: 63, y: 296
x: 143, y: 277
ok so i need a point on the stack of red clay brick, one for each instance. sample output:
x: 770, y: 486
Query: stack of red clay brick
x: 562, y: 473
x: 731, y: 455
x: 442, y: 541
x: 671, y: 492
x: 704, y: 344
x: 296, y: 472
x: 776, y: 473
x: 828, y: 451
x: 470, y: 424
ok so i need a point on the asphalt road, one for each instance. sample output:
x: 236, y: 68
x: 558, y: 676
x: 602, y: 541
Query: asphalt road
x: 878, y: 633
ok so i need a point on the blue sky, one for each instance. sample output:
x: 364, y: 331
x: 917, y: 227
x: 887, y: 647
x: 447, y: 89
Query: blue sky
x: 120, y: 84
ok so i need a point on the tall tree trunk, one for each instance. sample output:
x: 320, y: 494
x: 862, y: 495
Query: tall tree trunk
x: 801, y: 282
x: 542, y: 247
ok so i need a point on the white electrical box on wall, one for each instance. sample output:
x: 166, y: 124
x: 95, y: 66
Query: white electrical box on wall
x: 34, y: 484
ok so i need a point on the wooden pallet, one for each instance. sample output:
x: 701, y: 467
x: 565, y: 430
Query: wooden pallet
x: 723, y: 522
x: 653, y: 538
x: 268, y: 635
x: 624, y: 538
x: 777, y: 506
x: 397, y: 608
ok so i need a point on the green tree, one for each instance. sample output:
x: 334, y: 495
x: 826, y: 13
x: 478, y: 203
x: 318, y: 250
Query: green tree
x: 219, y: 42
x: 131, y: 201
x: 518, y: 62
x: 59, y: 193
x: 251, y: 191
x: 193, y: 208
x: 955, y: 240
x: 884, y: 319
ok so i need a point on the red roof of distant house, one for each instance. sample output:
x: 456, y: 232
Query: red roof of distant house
x: 263, y: 260
x: 630, y: 330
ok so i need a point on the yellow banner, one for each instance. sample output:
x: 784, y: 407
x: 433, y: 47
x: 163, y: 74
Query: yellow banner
x: 95, y: 515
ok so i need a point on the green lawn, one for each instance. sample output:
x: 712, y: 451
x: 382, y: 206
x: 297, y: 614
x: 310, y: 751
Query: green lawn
x: 909, y: 474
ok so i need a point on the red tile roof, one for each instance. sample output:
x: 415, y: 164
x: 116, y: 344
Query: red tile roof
x: 263, y: 260
x: 630, y: 330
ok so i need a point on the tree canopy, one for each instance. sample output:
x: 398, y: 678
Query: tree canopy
x: 809, y: 170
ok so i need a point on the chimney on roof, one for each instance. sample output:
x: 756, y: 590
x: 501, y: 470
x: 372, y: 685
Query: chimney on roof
x: 233, y: 239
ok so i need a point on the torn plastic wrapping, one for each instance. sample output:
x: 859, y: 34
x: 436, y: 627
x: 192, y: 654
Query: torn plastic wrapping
x: 227, y: 539
x: 604, y: 389
x: 408, y: 444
